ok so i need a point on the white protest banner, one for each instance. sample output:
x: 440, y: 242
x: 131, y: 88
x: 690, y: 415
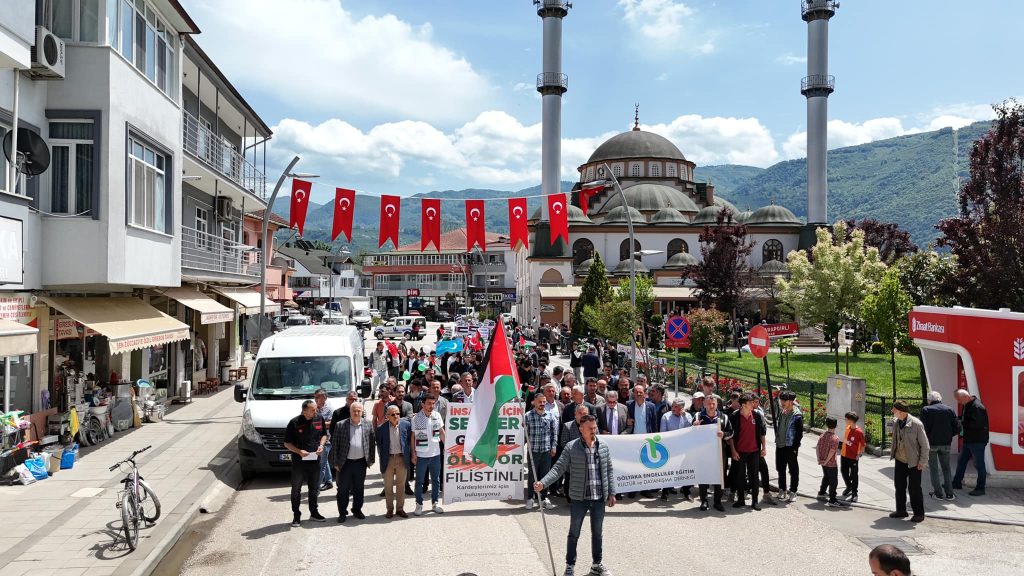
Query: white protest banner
x: 467, y: 479
x: 665, y: 460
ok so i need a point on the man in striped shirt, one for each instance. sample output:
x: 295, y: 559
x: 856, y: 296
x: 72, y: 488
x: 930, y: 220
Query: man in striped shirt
x: 542, y: 437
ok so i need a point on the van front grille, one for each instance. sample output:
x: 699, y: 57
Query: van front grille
x: 273, y: 438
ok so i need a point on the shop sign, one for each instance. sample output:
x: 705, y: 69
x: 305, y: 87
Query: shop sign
x: 216, y: 317
x: 415, y: 292
x: 18, y: 307
x: 11, y: 246
x: 68, y: 329
x: 137, y: 342
x: 547, y: 307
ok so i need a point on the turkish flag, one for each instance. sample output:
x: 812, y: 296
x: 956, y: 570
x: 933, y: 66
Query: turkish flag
x: 586, y: 192
x: 476, y: 233
x: 344, y: 205
x: 430, y: 223
x: 392, y: 349
x: 300, y: 201
x: 558, y: 215
x: 390, y: 212
x: 518, y: 231
x: 474, y: 341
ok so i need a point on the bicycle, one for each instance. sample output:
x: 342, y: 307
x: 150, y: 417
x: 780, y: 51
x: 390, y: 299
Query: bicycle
x: 137, y: 500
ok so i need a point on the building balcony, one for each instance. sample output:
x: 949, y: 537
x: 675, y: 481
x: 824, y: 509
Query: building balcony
x: 818, y: 85
x: 552, y: 83
x: 220, y: 157
x: 815, y: 9
x: 211, y: 257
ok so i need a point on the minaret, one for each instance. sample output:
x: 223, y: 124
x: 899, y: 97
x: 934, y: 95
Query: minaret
x: 817, y: 86
x: 551, y: 83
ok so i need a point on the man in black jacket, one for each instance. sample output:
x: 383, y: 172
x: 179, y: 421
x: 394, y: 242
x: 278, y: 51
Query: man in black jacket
x: 941, y: 425
x: 974, y: 421
x: 748, y: 447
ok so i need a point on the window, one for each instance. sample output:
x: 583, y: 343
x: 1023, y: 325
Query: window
x: 634, y: 170
x: 22, y: 187
x: 72, y: 20
x: 670, y: 170
x: 677, y: 245
x: 582, y: 250
x: 20, y: 384
x: 72, y: 167
x: 772, y: 250
x: 624, y: 250
x: 655, y: 169
x: 136, y: 31
x: 202, y: 227
x: 590, y: 174
x: 617, y: 170
x: 147, y: 187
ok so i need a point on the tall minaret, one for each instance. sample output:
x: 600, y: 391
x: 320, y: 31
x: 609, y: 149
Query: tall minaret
x: 551, y: 83
x: 816, y: 86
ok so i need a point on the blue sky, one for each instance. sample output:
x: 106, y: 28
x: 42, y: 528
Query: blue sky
x: 408, y: 96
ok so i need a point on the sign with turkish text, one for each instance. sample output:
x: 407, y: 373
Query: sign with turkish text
x: 666, y: 459
x: 17, y: 307
x: 782, y: 330
x: 677, y: 332
x: 467, y: 479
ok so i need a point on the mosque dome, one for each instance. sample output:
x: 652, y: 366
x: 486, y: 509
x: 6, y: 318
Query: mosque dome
x: 636, y: 144
x: 651, y: 197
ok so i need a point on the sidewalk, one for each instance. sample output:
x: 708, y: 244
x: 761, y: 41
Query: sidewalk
x: 68, y: 524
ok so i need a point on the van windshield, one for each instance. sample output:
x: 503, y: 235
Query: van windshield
x: 284, y: 378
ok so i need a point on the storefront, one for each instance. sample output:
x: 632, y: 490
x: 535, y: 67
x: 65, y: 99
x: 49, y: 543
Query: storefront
x: 247, y: 303
x: 18, y: 346
x: 209, y: 322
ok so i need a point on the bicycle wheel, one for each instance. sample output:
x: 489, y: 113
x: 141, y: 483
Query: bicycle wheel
x: 149, y: 504
x: 130, y: 519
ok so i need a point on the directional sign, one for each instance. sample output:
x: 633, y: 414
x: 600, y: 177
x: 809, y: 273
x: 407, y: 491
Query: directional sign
x: 759, y: 341
x: 784, y: 329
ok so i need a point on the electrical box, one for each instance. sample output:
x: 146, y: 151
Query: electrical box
x: 845, y: 394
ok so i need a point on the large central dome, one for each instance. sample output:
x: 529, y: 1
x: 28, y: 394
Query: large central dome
x: 636, y: 144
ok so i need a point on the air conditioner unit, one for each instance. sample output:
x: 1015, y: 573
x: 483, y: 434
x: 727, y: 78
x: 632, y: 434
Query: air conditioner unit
x: 47, y: 56
x: 223, y: 207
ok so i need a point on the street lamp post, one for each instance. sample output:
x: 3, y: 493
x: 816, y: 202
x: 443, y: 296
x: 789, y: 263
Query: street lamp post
x: 266, y: 223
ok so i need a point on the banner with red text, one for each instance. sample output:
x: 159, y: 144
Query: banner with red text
x: 467, y: 479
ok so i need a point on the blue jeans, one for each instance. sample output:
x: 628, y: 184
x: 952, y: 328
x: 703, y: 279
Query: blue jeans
x: 325, y: 466
x: 970, y: 450
x: 423, y: 466
x: 577, y: 510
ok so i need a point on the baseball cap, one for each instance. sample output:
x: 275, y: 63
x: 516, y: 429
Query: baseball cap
x: 698, y: 395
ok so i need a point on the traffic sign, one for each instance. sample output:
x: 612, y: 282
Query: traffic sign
x: 677, y: 328
x: 759, y: 341
x: 784, y: 329
x: 670, y: 344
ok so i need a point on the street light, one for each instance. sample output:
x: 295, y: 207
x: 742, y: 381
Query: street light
x: 266, y: 222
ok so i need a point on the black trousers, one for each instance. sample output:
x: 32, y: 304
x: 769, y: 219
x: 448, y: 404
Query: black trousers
x: 849, y: 469
x: 749, y: 463
x: 351, y: 478
x: 305, y: 472
x: 703, y: 488
x: 829, y: 482
x: 786, y: 458
x: 908, y: 478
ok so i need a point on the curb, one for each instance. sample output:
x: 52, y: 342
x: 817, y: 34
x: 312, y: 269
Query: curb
x: 939, y: 516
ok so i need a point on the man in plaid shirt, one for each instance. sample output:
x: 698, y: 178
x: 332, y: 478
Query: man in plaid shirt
x: 542, y: 437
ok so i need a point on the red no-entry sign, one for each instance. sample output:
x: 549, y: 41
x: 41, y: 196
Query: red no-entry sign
x: 759, y: 341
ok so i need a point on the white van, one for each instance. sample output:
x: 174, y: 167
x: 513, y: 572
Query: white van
x: 290, y: 366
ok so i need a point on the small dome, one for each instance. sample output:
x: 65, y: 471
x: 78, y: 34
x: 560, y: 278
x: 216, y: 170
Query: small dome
x: 707, y: 215
x: 576, y: 216
x: 652, y: 197
x: 719, y: 201
x: 742, y: 217
x: 680, y: 260
x: 773, y: 214
x: 669, y: 216
x: 636, y: 144
x: 618, y: 216
x: 583, y: 267
x: 773, y: 268
x: 623, y: 268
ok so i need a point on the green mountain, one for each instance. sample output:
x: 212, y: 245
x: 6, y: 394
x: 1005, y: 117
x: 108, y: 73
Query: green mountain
x: 726, y: 177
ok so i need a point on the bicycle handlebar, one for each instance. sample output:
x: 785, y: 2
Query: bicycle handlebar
x: 130, y: 458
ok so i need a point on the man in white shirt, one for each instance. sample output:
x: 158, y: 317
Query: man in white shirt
x: 427, y: 436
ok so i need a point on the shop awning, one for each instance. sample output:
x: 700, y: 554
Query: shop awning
x: 674, y: 293
x: 17, y: 339
x: 560, y: 292
x: 248, y: 300
x: 660, y: 292
x: 128, y: 323
x: 210, y: 311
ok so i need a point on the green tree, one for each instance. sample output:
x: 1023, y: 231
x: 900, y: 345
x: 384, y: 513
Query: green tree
x: 886, y: 311
x: 830, y: 289
x: 929, y: 278
x: 706, y: 333
x: 615, y: 320
x: 644, y: 302
x: 596, y: 289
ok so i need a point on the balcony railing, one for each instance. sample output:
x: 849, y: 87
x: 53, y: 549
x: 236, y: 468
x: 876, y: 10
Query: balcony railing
x: 552, y: 80
x: 210, y: 253
x: 818, y: 8
x: 822, y: 83
x: 221, y: 156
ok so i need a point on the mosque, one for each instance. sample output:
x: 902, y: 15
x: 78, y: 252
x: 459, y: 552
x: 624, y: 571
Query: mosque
x: 668, y: 208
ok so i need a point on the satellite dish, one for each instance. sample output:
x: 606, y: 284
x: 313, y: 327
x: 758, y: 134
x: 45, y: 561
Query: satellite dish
x: 33, y: 153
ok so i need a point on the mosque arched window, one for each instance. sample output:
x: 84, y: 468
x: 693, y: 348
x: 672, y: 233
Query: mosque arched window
x: 582, y: 249
x: 670, y: 170
x: 677, y: 245
x: 624, y: 250
x: 617, y: 170
x: 655, y: 169
x: 772, y: 250
x: 634, y: 170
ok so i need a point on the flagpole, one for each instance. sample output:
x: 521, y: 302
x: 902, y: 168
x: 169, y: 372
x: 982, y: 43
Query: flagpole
x: 540, y: 503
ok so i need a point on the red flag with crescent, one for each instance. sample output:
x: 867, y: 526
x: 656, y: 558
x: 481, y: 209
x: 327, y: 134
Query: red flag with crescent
x: 390, y: 212
x: 586, y: 193
x: 392, y: 349
x: 518, y: 231
x: 430, y: 223
x: 344, y: 205
x: 558, y: 214
x: 299, y: 204
x: 476, y: 233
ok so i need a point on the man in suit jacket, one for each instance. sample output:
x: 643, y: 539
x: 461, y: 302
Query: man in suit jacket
x: 393, y: 453
x: 569, y: 412
x: 643, y: 418
x: 355, y: 453
x: 612, y: 417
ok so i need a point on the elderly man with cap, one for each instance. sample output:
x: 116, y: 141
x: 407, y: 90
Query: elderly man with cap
x: 910, y: 450
x: 696, y: 404
x: 676, y: 419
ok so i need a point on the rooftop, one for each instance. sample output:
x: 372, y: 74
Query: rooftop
x: 456, y: 241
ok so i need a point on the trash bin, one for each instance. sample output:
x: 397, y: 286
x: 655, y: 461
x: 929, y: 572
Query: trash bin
x: 225, y: 368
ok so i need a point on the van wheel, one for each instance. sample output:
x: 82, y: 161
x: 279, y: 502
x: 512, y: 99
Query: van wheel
x: 378, y: 335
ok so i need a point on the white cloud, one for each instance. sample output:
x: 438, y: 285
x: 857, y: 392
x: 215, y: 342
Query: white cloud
x: 667, y: 25
x: 316, y: 52
x: 720, y: 140
x: 841, y: 133
x: 790, y: 59
x: 662, y: 77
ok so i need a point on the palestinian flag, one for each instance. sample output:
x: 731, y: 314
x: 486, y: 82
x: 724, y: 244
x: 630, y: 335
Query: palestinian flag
x: 500, y: 384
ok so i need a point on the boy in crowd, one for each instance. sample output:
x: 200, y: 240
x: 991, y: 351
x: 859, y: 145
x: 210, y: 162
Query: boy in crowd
x: 849, y: 459
x: 827, y: 450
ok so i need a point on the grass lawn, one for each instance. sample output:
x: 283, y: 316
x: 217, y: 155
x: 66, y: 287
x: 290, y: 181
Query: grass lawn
x: 874, y: 368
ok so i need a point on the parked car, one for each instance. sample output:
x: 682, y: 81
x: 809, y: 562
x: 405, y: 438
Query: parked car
x: 414, y: 312
x: 506, y: 318
x: 374, y: 313
x: 401, y: 326
x: 444, y: 316
x: 393, y: 314
x: 298, y: 320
